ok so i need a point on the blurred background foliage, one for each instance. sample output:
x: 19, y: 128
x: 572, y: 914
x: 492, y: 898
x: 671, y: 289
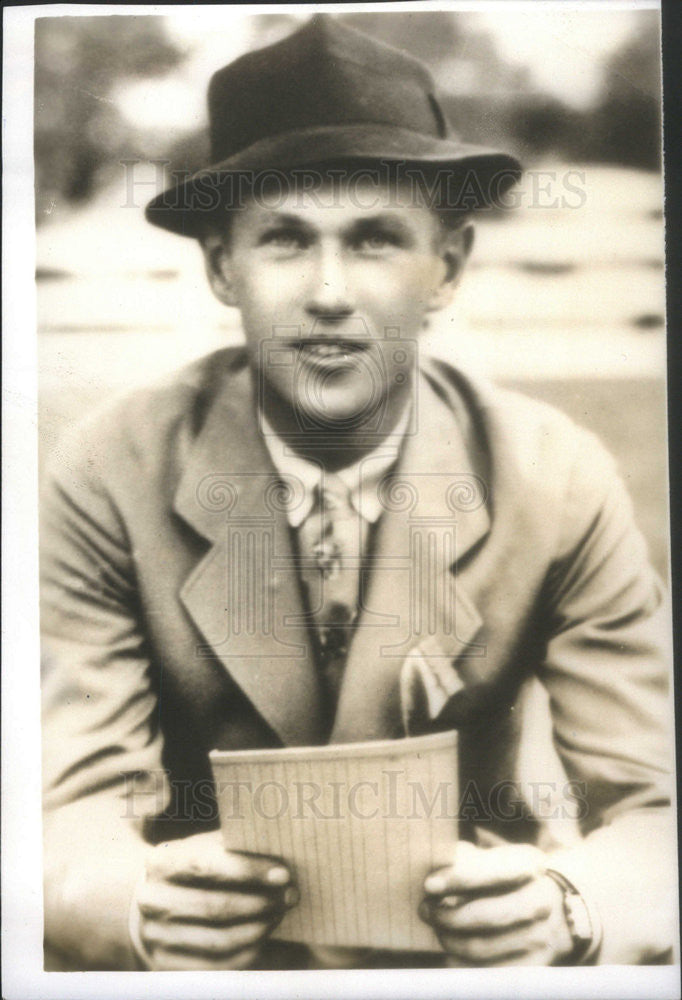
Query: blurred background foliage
x: 80, y: 134
x: 81, y: 63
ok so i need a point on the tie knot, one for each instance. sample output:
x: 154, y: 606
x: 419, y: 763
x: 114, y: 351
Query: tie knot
x: 332, y: 496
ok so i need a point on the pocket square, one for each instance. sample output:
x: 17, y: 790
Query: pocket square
x: 427, y: 683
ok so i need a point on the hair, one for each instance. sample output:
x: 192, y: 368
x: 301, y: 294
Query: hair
x: 407, y: 183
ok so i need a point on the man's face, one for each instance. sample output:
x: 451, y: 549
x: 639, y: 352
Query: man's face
x: 333, y: 288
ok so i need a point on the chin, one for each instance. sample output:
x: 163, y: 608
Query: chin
x: 341, y: 409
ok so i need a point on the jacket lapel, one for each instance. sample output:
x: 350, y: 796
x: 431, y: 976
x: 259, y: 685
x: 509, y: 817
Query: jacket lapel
x: 413, y: 603
x: 243, y: 596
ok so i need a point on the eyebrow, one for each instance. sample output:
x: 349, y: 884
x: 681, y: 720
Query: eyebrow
x: 387, y: 220
x: 274, y: 218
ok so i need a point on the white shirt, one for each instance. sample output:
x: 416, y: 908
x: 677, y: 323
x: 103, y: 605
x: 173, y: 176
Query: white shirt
x: 362, y: 478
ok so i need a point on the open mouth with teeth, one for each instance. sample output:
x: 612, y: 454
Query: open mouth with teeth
x: 331, y: 354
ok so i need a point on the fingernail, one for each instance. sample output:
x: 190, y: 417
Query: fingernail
x: 449, y: 901
x: 278, y: 875
x: 435, y: 884
x: 291, y: 896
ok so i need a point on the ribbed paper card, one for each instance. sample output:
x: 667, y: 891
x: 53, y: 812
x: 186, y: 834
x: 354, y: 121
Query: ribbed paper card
x: 361, y: 825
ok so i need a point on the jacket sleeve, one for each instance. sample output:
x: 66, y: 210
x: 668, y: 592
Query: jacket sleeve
x: 607, y: 673
x: 102, y: 764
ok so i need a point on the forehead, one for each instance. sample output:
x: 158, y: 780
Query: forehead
x: 336, y: 200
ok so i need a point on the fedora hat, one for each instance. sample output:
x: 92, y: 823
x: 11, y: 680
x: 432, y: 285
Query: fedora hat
x: 325, y: 94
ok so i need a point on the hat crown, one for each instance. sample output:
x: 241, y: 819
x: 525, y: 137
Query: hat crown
x: 325, y: 94
x: 325, y: 74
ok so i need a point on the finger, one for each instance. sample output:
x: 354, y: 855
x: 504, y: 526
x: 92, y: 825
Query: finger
x: 484, y: 949
x: 208, y: 942
x: 476, y: 869
x: 487, y: 838
x: 541, y: 957
x: 169, y: 961
x: 167, y: 902
x: 538, y: 956
x: 208, y: 863
x: 489, y: 914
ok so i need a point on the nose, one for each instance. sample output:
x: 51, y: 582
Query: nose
x: 330, y: 295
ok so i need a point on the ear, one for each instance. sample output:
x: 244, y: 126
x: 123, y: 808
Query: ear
x: 217, y: 261
x: 454, y: 250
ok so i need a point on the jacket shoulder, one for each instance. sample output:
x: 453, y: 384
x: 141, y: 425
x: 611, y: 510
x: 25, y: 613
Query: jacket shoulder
x: 518, y: 431
x: 137, y: 430
x: 540, y: 465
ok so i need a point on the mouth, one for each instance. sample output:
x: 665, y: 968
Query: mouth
x: 331, y: 354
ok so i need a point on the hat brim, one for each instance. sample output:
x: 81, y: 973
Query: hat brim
x: 487, y: 173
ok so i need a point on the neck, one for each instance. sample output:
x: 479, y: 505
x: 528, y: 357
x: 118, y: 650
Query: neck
x: 335, y: 447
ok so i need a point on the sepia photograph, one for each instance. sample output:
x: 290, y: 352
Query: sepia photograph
x: 346, y: 334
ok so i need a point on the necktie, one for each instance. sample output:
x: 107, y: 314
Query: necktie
x: 331, y: 545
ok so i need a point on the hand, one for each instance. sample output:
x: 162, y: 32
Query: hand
x: 204, y: 907
x: 496, y: 906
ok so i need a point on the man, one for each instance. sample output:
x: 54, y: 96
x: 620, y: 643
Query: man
x: 225, y: 562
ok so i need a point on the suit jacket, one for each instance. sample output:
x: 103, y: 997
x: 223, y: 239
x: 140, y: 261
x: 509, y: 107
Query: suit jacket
x: 173, y: 623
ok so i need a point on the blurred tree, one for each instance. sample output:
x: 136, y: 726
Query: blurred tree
x: 628, y: 116
x: 78, y: 130
x: 622, y: 126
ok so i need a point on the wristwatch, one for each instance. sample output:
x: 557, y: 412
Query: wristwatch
x: 577, y: 917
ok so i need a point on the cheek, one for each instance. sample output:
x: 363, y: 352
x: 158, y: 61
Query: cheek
x: 265, y: 294
x: 401, y: 293
x: 424, y: 276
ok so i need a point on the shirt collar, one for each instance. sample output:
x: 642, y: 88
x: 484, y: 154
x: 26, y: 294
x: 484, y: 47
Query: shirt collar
x: 361, y: 479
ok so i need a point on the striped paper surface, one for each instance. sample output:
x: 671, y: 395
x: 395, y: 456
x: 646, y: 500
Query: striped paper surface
x: 361, y: 825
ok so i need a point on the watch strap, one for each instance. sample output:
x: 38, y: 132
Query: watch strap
x: 577, y: 915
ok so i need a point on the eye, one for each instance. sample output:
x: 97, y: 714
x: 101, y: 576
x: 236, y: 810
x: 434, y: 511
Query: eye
x: 377, y: 241
x: 284, y: 239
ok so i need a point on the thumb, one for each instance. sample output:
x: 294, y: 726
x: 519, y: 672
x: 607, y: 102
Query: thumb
x: 485, y: 837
